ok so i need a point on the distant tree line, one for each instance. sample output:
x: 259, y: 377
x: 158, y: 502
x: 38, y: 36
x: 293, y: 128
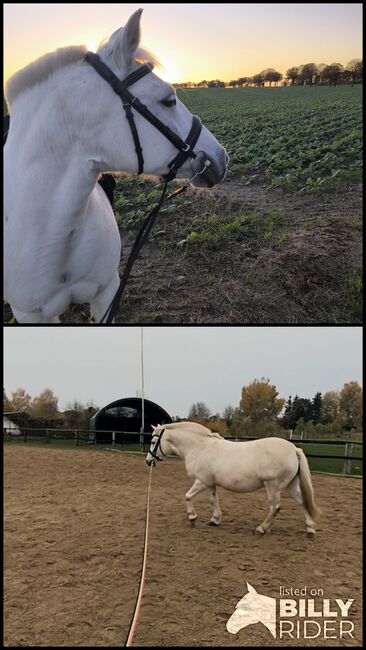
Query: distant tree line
x: 42, y: 411
x: 308, y: 74
x: 262, y: 412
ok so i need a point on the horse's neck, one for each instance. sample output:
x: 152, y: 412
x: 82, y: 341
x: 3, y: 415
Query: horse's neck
x: 185, y: 442
x: 50, y: 166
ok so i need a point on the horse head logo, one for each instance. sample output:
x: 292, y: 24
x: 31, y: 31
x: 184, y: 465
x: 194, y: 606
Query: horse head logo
x: 253, y: 608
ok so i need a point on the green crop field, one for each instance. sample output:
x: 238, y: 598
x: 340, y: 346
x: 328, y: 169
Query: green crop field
x: 303, y: 139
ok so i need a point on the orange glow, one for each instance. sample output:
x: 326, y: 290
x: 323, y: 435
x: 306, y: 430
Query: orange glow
x: 193, y: 41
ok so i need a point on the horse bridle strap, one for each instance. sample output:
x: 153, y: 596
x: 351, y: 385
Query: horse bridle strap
x: 129, y: 101
x: 157, y: 446
x: 185, y: 150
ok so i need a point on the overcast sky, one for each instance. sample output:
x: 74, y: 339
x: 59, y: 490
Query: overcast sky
x: 182, y: 364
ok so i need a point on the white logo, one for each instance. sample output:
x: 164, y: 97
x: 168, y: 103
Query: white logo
x: 298, y: 618
x: 253, y: 608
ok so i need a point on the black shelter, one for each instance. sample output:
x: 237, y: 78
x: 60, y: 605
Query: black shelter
x: 124, y: 417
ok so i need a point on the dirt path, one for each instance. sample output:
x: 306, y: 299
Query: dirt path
x: 74, y: 524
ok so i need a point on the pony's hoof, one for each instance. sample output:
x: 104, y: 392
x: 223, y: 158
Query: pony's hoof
x: 310, y: 534
x: 212, y: 522
x: 192, y: 520
x: 259, y: 530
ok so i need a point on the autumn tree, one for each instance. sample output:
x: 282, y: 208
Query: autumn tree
x: 260, y: 401
x: 350, y: 405
x: 6, y: 403
x: 45, y: 405
x: 330, y: 406
x: 20, y: 401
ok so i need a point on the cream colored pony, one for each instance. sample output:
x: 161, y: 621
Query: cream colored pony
x: 273, y: 463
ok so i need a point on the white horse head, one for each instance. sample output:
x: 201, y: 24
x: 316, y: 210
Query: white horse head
x: 253, y: 608
x: 67, y: 126
x: 121, y: 54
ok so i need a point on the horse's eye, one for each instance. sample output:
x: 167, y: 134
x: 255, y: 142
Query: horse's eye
x: 169, y: 102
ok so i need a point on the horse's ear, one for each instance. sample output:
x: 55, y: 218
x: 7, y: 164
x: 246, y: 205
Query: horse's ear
x: 251, y: 589
x: 153, y: 428
x: 131, y: 37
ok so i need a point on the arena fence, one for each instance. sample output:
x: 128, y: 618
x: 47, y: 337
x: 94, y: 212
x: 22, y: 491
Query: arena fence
x: 325, y: 456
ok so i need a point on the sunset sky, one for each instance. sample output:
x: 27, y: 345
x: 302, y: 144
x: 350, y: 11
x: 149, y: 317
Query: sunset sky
x: 194, y: 41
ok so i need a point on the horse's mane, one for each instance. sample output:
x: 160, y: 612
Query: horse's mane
x: 195, y: 426
x: 48, y: 64
x: 42, y: 68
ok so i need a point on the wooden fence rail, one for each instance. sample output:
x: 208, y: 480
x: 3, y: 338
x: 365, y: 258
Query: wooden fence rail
x: 143, y: 440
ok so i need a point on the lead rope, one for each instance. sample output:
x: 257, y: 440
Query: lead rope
x: 135, y: 616
x: 142, y: 236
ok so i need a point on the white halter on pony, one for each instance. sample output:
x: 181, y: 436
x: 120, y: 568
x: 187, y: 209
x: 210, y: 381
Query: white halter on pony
x: 68, y: 126
x: 273, y: 463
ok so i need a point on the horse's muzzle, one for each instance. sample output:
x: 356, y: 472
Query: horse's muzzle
x: 209, y: 172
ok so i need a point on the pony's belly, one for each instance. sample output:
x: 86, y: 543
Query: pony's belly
x: 240, y: 484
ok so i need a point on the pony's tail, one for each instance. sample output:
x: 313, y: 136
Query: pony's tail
x: 307, y: 486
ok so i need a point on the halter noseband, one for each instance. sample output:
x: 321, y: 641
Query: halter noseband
x: 129, y: 101
x: 157, y: 445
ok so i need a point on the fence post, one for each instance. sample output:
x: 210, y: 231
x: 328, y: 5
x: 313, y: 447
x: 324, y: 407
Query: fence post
x: 76, y: 438
x: 25, y: 435
x: 347, y: 463
x: 113, y: 438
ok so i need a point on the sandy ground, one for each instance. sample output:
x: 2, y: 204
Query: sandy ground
x: 74, y: 524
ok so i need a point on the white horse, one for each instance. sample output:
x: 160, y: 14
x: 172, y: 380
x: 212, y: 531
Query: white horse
x: 214, y: 462
x: 62, y: 243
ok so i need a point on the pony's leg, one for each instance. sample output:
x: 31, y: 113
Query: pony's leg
x: 195, y: 489
x: 100, y: 304
x: 295, y: 491
x: 33, y: 317
x: 214, y: 501
x: 274, y: 493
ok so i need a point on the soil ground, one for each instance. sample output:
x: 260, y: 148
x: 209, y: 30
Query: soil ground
x: 295, y: 260
x: 74, y: 525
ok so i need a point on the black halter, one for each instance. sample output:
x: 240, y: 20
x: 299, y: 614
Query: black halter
x: 129, y: 101
x: 200, y: 163
x: 157, y: 446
